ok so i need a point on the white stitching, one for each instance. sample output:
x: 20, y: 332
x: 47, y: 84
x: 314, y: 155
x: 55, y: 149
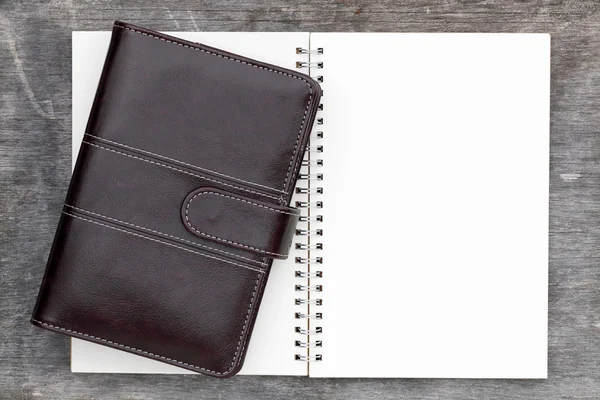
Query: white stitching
x: 265, y: 260
x: 179, y: 170
x: 255, y: 66
x: 166, y: 243
x: 187, y: 207
x: 291, y: 161
x: 178, y: 161
x: 125, y: 346
x: 259, y: 276
x: 163, y: 357
x: 237, y: 349
x: 163, y: 234
x: 242, y: 200
x: 287, y: 175
x: 157, y: 355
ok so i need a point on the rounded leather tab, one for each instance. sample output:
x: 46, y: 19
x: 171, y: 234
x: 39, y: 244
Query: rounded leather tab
x: 241, y: 222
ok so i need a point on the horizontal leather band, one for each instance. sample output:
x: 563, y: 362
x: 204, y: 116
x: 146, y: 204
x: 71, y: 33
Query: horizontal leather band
x: 239, y: 221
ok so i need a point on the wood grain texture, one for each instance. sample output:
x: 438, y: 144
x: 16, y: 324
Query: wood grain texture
x: 35, y: 123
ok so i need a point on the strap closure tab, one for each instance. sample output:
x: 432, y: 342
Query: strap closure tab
x: 239, y: 221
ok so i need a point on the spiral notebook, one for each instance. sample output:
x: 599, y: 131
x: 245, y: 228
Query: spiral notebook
x: 423, y: 246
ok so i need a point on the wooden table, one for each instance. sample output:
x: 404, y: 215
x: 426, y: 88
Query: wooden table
x: 35, y: 152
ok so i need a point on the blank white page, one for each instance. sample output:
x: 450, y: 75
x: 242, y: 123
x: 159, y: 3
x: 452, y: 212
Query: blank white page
x: 435, y: 204
x: 271, y: 349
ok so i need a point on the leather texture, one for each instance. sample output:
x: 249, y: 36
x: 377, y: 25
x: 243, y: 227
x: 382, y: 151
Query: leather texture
x: 179, y: 201
x: 260, y: 227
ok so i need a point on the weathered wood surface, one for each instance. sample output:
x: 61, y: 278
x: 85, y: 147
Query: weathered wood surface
x: 35, y: 112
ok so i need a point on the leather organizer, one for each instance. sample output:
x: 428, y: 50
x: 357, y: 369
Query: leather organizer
x: 179, y: 202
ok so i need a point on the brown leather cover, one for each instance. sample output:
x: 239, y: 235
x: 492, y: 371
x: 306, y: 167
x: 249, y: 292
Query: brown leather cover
x: 179, y: 201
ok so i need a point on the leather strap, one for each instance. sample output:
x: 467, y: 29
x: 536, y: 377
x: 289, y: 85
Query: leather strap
x: 239, y: 221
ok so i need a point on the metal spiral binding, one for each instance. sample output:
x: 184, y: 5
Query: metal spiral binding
x: 300, y: 50
x: 309, y: 185
x: 305, y: 64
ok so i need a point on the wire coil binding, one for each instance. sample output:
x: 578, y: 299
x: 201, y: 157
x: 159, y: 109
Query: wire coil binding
x: 300, y: 50
x: 309, y: 231
x: 305, y: 64
x: 300, y: 357
x: 306, y: 316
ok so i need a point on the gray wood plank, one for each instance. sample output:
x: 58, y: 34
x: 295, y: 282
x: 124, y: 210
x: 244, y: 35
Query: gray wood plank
x: 35, y: 97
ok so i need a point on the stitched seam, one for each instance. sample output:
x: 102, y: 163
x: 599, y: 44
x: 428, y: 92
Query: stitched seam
x: 178, y: 161
x: 187, y: 220
x: 252, y: 299
x: 163, y: 234
x: 287, y: 175
x: 284, y: 185
x: 255, y: 66
x: 264, y: 264
x: 160, y: 241
x: 167, y: 358
x: 244, y: 201
x: 163, y: 357
x: 179, y: 170
x: 237, y: 349
x: 122, y: 345
x: 157, y: 355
